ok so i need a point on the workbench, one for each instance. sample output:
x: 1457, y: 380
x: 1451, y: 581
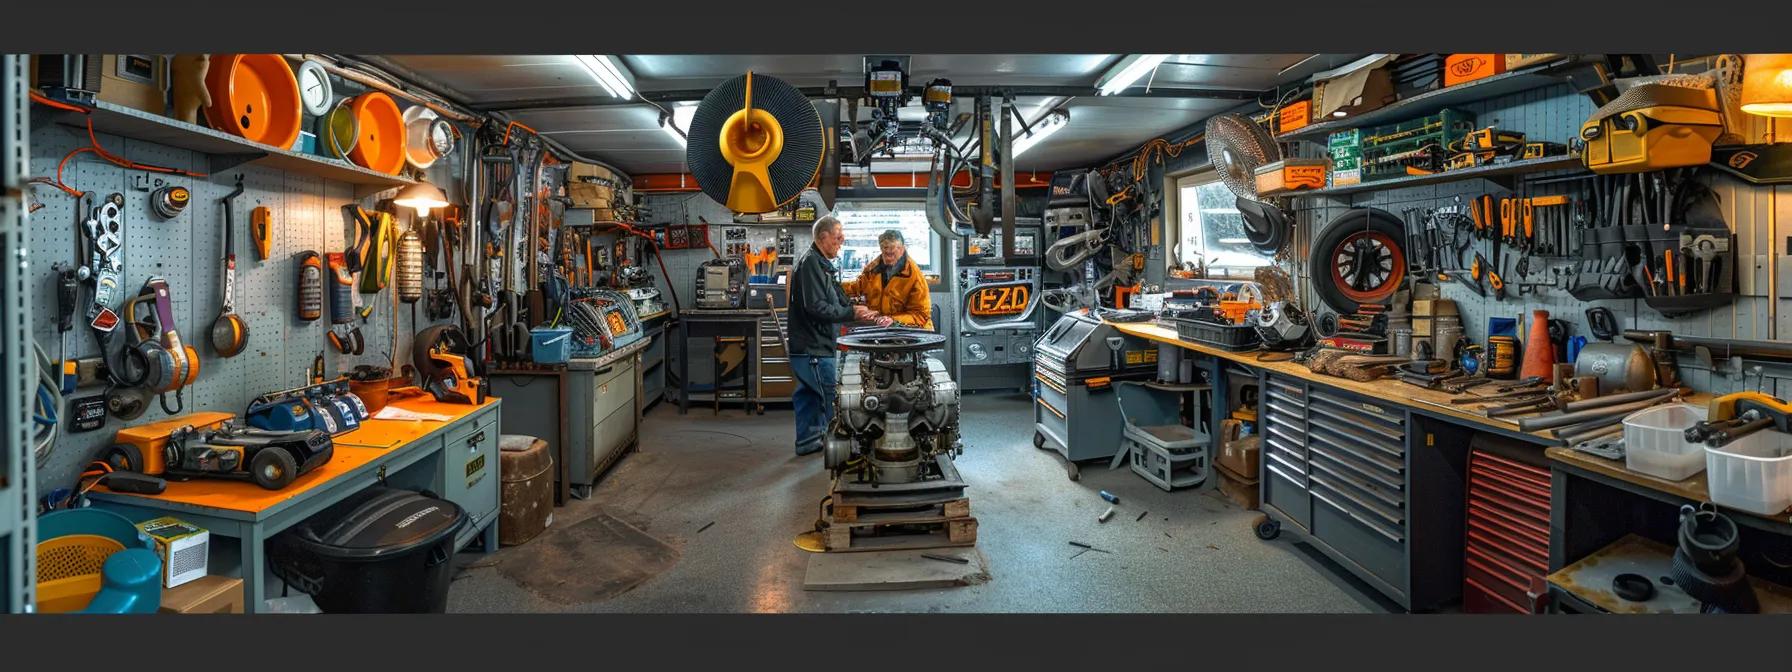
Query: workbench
x: 457, y: 459
x: 588, y: 410
x: 715, y: 323
x: 1401, y: 452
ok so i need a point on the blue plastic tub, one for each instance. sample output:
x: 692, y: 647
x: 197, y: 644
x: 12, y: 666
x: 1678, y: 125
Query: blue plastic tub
x: 551, y: 345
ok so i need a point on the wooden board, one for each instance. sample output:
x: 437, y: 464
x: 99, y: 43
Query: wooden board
x: 893, y: 570
x: 948, y: 481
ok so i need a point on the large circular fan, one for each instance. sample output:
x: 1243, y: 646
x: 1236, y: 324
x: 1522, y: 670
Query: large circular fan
x: 1237, y: 147
x: 754, y: 144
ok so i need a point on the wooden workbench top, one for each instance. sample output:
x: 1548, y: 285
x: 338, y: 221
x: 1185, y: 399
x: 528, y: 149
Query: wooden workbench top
x: 1436, y: 402
x: 375, y: 438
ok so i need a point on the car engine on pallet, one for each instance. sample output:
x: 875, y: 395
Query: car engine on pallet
x: 896, y: 408
x: 890, y: 449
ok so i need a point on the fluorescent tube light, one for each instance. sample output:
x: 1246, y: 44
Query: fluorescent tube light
x: 1128, y: 71
x: 609, y: 74
x: 1041, y: 130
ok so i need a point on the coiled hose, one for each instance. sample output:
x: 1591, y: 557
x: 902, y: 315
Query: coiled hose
x: 47, y: 413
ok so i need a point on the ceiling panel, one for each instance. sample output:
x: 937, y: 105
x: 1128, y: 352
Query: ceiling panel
x: 629, y: 137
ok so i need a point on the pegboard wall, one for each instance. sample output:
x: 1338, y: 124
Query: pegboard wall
x: 187, y: 250
x: 1555, y: 114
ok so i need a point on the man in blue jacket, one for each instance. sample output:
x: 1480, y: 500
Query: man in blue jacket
x: 818, y: 306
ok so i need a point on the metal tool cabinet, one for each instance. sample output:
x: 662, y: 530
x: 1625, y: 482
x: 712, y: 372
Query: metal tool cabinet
x: 1376, y: 488
x: 588, y: 412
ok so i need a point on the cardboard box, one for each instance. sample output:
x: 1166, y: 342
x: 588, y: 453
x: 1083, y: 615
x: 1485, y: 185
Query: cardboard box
x: 591, y: 186
x: 207, y: 595
x: 1242, y: 491
x: 1516, y: 61
x: 1241, y: 456
x: 1294, y: 116
x: 182, y: 546
x: 1464, y: 68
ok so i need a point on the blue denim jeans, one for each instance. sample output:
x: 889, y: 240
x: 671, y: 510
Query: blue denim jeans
x: 813, y: 400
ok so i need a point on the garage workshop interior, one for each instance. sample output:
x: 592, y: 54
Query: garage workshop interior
x: 1339, y: 333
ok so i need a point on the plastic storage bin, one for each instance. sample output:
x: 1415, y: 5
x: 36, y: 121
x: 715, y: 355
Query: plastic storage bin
x: 1223, y: 336
x: 551, y: 345
x: 1655, y: 442
x: 1753, y: 473
x: 379, y: 551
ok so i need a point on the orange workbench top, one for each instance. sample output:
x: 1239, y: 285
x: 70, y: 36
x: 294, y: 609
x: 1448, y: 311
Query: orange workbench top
x: 373, y: 440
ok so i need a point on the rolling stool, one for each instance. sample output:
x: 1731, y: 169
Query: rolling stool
x: 526, y: 471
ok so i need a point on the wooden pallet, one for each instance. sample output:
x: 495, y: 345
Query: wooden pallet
x: 882, y: 536
x: 926, y: 511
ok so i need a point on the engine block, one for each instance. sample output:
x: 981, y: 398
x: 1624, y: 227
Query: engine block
x: 895, y: 409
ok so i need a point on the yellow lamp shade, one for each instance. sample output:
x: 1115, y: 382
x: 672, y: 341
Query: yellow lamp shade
x: 1767, y: 85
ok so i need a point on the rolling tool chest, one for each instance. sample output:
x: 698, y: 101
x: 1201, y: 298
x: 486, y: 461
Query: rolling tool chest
x: 1365, y: 486
x: 1076, y: 365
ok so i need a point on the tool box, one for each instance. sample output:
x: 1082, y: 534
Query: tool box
x: 1290, y: 175
x: 1294, y: 116
x: 1652, y: 127
x: 183, y: 547
x: 1415, y: 147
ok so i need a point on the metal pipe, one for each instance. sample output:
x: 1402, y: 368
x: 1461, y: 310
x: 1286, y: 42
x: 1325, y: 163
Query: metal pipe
x: 1610, y: 400
x: 439, y: 106
x: 1570, y: 431
x: 1565, y: 419
x: 1593, y: 435
x: 1726, y: 347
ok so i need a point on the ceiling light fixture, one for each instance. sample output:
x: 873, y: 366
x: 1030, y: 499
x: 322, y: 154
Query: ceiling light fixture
x: 678, y: 123
x: 609, y: 74
x: 1044, y: 128
x: 1128, y: 71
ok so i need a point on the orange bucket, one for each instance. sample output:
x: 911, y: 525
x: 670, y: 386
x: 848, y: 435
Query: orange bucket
x: 254, y: 96
x: 381, y: 144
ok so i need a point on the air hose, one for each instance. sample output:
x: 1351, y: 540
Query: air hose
x: 47, y: 413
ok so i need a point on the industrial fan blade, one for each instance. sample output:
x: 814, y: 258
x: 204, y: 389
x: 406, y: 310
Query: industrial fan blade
x: 755, y: 143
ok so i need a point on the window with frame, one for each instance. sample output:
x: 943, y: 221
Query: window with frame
x: 1210, y: 228
x: 863, y: 222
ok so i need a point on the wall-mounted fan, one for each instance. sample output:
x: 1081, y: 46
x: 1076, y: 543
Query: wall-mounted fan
x: 1237, y: 147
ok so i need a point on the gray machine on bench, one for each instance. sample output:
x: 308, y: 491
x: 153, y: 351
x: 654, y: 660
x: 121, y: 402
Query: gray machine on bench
x: 1076, y: 364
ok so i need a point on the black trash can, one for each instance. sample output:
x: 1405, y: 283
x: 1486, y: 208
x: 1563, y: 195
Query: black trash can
x: 380, y: 551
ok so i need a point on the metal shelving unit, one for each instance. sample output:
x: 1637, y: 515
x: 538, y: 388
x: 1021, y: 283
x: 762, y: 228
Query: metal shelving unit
x: 1516, y: 81
x: 225, y: 151
x: 1543, y: 165
x: 18, y: 489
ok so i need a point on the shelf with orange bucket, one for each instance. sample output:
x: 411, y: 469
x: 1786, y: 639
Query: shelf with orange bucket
x: 225, y: 151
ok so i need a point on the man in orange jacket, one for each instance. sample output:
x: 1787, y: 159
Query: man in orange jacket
x: 893, y: 287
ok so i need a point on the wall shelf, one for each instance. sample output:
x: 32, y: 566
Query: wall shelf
x: 1516, y: 81
x: 225, y: 151
x: 1545, y: 164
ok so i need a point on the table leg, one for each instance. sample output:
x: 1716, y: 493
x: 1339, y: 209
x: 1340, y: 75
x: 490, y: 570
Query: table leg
x: 254, y: 566
x: 752, y: 391
x: 684, y: 368
x: 488, y: 539
x: 1216, y: 413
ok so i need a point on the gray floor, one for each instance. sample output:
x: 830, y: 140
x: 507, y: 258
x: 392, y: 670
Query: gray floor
x: 1193, y: 551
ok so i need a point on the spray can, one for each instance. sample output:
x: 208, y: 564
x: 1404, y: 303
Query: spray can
x: 342, y: 287
x: 410, y: 267
x: 311, y: 286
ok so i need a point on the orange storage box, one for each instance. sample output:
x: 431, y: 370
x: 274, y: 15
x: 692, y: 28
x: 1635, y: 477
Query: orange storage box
x: 1464, y: 68
x: 1294, y: 116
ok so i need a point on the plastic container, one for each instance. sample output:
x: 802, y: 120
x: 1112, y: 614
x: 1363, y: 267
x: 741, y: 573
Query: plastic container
x: 1222, y: 336
x: 380, y: 551
x: 1655, y: 442
x: 551, y: 345
x: 1753, y: 473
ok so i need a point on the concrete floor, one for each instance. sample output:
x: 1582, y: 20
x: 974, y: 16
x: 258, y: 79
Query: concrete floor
x: 1193, y: 552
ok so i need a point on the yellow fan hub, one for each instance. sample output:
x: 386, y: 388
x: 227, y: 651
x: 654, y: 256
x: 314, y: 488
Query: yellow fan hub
x: 751, y: 140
